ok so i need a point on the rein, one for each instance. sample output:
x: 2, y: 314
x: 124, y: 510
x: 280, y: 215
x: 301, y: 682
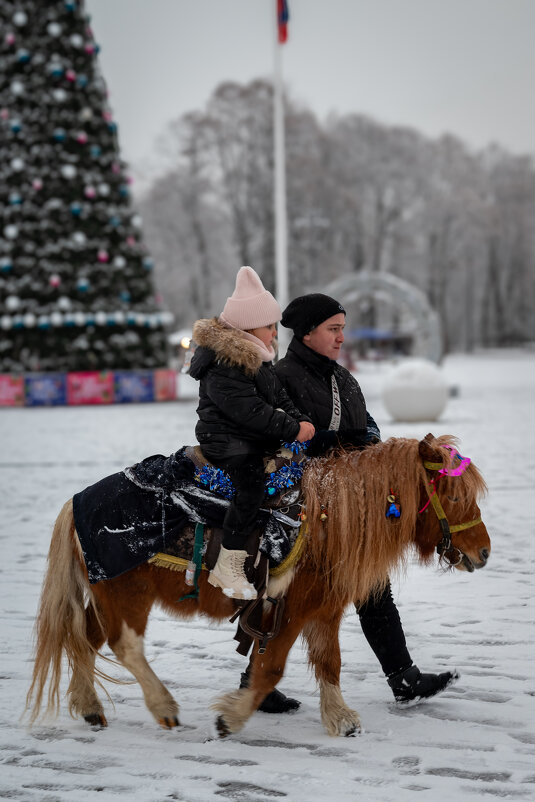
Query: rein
x: 445, y: 544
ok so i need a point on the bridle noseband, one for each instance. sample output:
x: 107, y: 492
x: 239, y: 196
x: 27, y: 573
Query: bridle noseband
x: 445, y: 546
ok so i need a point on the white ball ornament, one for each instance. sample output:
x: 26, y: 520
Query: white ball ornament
x: 137, y: 221
x: 104, y: 190
x: 54, y: 29
x: 60, y: 95
x: 415, y: 390
x: 11, y: 231
x: 101, y: 318
x: 68, y: 171
x: 12, y: 303
x: 17, y: 164
x: 79, y: 238
x: 20, y: 18
x: 64, y: 303
x: 76, y: 40
x: 119, y: 262
x: 29, y: 320
x: 6, y: 322
x: 56, y: 318
x: 17, y: 88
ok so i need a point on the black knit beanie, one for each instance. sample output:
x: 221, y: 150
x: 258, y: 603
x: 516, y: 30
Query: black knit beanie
x: 308, y: 311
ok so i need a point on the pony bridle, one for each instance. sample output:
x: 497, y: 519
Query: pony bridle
x: 445, y: 548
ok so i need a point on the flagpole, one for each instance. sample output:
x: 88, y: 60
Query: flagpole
x: 281, y: 236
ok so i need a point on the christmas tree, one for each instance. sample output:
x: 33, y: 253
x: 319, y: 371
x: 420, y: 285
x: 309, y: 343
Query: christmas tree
x: 76, y: 287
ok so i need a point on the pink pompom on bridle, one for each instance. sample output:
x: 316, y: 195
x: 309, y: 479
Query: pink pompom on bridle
x: 463, y: 465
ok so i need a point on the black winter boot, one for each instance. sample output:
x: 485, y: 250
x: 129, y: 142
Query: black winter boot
x: 275, y: 702
x: 410, y: 686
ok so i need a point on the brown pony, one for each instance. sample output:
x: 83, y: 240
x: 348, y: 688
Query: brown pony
x: 348, y: 549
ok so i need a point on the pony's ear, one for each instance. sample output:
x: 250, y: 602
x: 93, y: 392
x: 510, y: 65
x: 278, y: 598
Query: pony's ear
x: 426, y: 451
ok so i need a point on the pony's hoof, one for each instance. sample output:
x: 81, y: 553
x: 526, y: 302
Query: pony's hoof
x: 96, y: 720
x: 168, y: 723
x: 352, y: 731
x: 222, y: 727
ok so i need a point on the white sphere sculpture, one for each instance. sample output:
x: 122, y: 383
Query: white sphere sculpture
x: 415, y: 390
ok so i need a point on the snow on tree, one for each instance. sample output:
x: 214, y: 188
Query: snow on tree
x: 76, y: 284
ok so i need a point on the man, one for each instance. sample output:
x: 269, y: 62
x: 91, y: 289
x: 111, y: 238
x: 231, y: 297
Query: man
x: 331, y: 397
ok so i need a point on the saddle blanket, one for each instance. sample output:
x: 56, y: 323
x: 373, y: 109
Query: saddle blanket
x: 126, y: 518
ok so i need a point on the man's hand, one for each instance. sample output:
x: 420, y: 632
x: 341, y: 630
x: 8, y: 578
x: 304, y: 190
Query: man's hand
x: 306, y: 431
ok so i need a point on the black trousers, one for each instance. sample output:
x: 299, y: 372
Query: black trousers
x: 246, y: 472
x: 382, y: 629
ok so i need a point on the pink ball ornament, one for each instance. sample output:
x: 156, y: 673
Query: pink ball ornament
x: 4, y: 114
x: 70, y: 75
x: 103, y: 256
x: 116, y: 168
x: 10, y: 38
x: 81, y: 138
x: 131, y: 241
x: 37, y: 184
x: 90, y: 192
x: 54, y: 280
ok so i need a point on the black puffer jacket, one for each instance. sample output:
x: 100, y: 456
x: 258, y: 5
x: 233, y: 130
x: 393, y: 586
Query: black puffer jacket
x: 243, y: 408
x: 307, y: 377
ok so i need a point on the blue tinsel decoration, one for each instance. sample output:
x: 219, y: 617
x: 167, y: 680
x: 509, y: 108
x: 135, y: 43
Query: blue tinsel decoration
x: 217, y: 481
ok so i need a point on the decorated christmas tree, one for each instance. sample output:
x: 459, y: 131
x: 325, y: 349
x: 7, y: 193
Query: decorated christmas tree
x: 76, y: 287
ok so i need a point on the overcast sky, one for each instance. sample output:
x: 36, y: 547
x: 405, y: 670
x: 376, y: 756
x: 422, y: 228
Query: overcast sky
x: 461, y: 66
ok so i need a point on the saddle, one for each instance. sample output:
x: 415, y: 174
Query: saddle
x: 286, y: 503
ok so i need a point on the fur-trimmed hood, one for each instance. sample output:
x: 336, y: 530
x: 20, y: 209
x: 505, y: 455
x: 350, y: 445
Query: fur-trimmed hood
x: 226, y: 345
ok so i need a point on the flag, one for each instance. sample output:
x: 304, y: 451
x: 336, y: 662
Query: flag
x: 283, y: 16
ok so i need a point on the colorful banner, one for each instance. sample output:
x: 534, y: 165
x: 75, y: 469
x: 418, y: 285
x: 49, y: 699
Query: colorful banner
x: 134, y: 387
x: 165, y: 385
x: 11, y: 391
x: 46, y: 389
x: 90, y: 388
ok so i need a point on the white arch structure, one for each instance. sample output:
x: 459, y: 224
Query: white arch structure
x: 393, y: 290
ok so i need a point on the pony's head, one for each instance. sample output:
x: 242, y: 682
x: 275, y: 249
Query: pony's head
x: 350, y: 537
x: 449, y: 519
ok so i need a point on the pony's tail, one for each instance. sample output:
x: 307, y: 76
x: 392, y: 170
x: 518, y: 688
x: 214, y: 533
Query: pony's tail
x: 61, y: 622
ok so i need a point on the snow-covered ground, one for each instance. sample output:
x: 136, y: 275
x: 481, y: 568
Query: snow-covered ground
x: 475, y: 741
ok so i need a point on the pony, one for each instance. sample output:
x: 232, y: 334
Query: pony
x: 348, y: 547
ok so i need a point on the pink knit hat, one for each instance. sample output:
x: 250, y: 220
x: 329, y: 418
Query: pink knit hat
x: 250, y: 306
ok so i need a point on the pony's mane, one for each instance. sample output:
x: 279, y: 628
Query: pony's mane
x: 357, y: 542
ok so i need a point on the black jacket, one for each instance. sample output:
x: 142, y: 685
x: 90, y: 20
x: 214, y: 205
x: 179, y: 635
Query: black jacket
x: 243, y: 408
x: 307, y: 378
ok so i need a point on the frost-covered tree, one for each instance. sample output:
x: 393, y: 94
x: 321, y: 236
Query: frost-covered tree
x: 76, y: 285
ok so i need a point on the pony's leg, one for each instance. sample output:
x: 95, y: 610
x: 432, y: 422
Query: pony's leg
x: 236, y: 707
x: 83, y: 700
x: 321, y: 635
x: 128, y: 647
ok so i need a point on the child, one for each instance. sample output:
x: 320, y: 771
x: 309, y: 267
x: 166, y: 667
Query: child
x: 244, y: 413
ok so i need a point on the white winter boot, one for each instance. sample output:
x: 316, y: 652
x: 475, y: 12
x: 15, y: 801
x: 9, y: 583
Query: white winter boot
x: 228, y: 574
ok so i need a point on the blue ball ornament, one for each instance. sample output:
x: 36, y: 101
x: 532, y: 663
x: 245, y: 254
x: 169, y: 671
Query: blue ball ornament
x: 15, y: 199
x: 82, y: 80
x: 23, y: 56
x: 59, y: 134
x: 76, y: 208
x: 148, y: 264
x: 95, y: 151
x: 70, y: 5
x: 6, y: 265
x: 16, y: 126
x: 82, y: 284
x: 124, y: 296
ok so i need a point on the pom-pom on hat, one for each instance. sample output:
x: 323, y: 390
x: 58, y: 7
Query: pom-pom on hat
x: 250, y: 306
x: 308, y: 311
